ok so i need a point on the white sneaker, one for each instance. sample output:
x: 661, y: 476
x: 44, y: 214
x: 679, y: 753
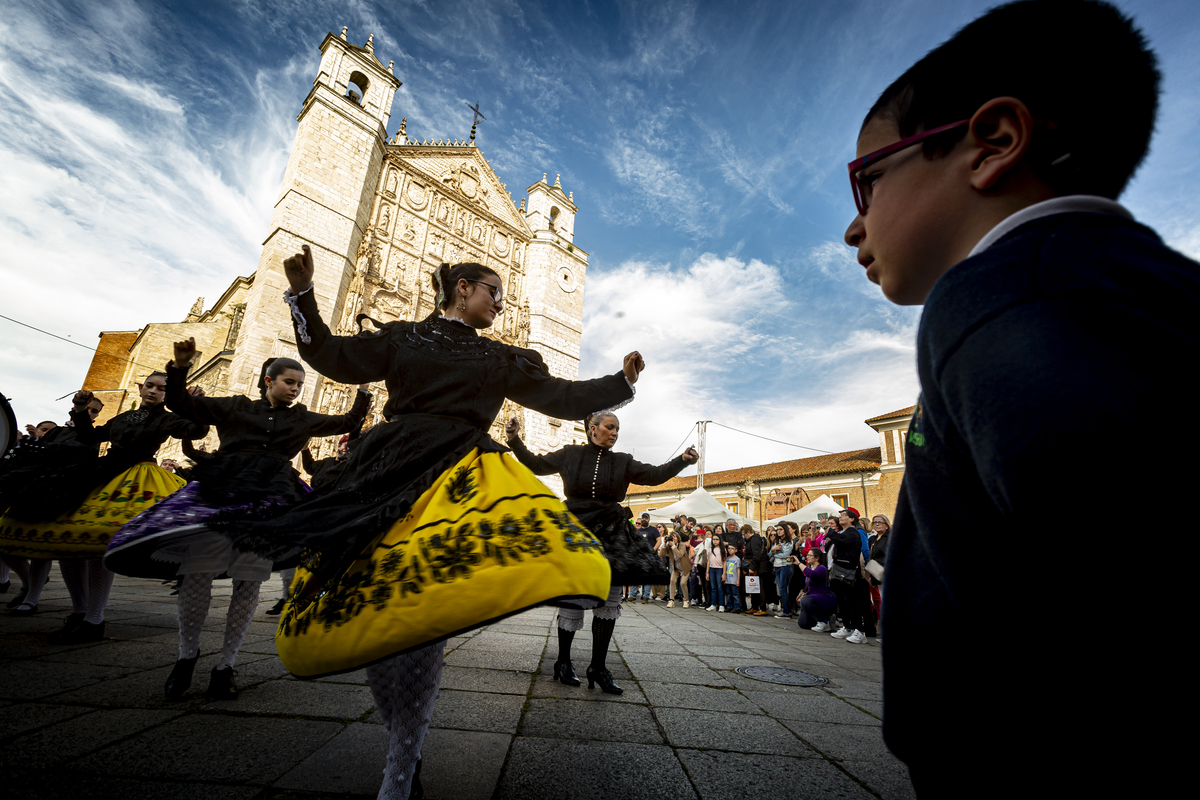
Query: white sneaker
x: 820, y: 627
x: 686, y: 604
x: 711, y: 608
x: 721, y: 610
x: 670, y: 604
x: 841, y: 633
x: 858, y: 637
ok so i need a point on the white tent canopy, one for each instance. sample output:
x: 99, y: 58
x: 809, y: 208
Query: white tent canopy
x: 703, y: 507
x: 822, y: 505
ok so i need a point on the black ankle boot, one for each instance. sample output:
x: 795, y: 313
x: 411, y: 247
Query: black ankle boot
x: 565, y: 673
x: 277, y: 609
x: 221, y: 685
x: 415, y: 790
x: 180, y: 679
x: 74, y: 619
x: 604, y: 678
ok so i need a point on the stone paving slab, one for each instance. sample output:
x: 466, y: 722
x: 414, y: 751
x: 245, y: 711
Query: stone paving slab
x: 614, y: 722
x: 218, y: 748
x: 720, y: 776
x: 91, y: 721
x: 575, y: 770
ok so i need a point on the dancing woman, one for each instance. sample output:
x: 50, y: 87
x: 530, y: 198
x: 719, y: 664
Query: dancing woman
x: 595, y: 480
x: 101, y: 494
x: 431, y: 530
x: 250, y: 474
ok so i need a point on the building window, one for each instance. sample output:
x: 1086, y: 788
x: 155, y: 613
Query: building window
x: 732, y: 507
x: 842, y: 500
x: 356, y: 88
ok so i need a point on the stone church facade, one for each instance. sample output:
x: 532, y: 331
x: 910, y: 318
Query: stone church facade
x: 380, y: 214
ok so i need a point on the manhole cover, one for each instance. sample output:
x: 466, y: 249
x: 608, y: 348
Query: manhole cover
x: 787, y: 677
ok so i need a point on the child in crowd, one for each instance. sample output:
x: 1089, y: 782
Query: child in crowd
x: 986, y: 185
x: 733, y: 578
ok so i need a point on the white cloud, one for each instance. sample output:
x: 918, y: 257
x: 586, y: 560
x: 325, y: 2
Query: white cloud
x: 116, y: 209
x: 721, y: 343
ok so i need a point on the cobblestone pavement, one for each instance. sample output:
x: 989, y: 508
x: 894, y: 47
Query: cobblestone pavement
x: 91, y: 720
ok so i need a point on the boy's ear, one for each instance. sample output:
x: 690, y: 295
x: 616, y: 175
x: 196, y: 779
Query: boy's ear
x: 1001, y: 131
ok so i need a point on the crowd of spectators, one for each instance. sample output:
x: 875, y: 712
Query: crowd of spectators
x: 826, y: 574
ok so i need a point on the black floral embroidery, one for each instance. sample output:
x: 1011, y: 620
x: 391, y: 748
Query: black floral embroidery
x: 443, y: 557
x: 462, y: 486
x: 450, y: 555
x: 575, y: 537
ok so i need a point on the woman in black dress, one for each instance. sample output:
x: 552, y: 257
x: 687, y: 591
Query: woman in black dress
x: 79, y: 502
x: 595, y: 480
x: 430, y: 530
x: 250, y: 475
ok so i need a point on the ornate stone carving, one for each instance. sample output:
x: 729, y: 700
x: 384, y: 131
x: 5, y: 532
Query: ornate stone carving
x: 466, y: 180
x: 417, y: 194
x: 390, y: 188
x: 385, y: 219
x: 501, y: 243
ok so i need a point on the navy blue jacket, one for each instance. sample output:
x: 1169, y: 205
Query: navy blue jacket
x: 1052, y: 368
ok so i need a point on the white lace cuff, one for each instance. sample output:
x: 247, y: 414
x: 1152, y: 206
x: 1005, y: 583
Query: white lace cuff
x: 621, y: 405
x: 297, y: 315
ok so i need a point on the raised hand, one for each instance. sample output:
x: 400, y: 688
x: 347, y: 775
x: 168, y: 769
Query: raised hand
x: 634, y: 364
x: 185, y: 352
x: 195, y: 391
x: 82, y: 398
x: 299, y: 270
x: 690, y: 455
x: 513, y: 429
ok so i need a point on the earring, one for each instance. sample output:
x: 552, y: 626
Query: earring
x: 462, y: 304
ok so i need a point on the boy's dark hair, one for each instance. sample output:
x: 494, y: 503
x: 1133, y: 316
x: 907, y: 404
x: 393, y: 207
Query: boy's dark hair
x: 1080, y: 66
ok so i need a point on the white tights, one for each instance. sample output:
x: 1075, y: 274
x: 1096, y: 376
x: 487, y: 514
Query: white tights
x: 195, y: 597
x: 89, y: 584
x: 33, y: 574
x: 404, y: 688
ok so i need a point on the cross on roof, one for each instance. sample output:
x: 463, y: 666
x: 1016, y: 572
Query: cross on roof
x: 478, y: 116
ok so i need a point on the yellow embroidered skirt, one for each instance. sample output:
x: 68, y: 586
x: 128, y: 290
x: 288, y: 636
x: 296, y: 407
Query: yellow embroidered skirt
x: 84, y: 532
x: 485, y: 541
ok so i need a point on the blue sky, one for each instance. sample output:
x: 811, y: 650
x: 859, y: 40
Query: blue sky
x: 143, y: 146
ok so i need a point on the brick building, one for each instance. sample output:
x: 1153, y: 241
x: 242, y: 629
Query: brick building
x: 868, y: 480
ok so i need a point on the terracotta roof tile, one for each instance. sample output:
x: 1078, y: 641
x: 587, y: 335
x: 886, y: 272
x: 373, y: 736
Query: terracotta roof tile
x: 904, y: 412
x: 832, y: 464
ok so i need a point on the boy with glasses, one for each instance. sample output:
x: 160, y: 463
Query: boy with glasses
x: 986, y: 188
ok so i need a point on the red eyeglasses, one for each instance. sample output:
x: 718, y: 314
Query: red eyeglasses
x: 861, y: 188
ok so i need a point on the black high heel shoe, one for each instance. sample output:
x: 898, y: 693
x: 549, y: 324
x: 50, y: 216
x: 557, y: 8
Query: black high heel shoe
x: 221, y: 685
x: 565, y: 673
x: 180, y: 679
x: 415, y: 790
x: 605, y: 679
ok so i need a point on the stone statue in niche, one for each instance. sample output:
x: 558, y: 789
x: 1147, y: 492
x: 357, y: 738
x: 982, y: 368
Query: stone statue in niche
x: 385, y: 219
x: 477, y: 231
x: 391, y: 183
x: 461, y: 226
x: 444, y: 212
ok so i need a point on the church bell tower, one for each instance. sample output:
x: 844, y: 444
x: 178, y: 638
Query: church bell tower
x: 325, y: 201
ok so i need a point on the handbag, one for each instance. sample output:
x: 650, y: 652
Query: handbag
x: 752, y: 584
x: 876, y: 570
x: 839, y: 573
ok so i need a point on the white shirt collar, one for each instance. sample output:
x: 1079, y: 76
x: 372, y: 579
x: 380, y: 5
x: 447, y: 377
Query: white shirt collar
x: 1074, y: 203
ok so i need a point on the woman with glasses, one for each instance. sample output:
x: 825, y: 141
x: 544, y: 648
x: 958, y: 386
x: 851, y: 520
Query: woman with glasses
x: 432, y: 529
x: 595, y: 479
